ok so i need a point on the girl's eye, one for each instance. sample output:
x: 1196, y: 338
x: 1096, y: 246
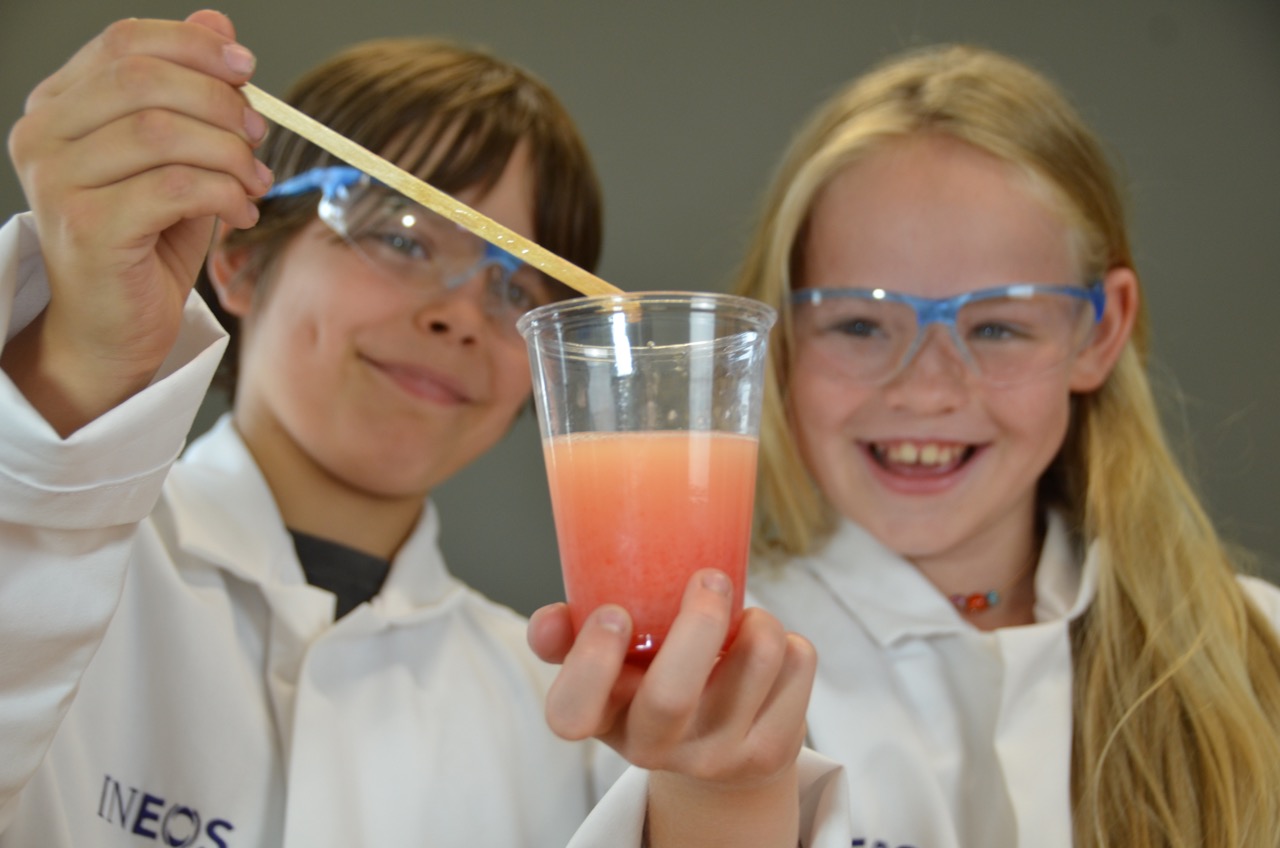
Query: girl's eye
x: 857, y: 327
x: 992, y: 331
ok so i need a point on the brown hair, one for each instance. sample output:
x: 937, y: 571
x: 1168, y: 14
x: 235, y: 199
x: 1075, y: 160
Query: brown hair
x: 1177, y: 675
x: 451, y: 114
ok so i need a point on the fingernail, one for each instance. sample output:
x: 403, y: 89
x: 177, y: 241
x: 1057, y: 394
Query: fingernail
x: 264, y: 173
x: 238, y: 58
x: 253, y: 212
x: 612, y: 619
x: 255, y: 126
x: 717, y: 582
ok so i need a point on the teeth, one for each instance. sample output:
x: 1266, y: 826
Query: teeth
x: 911, y: 453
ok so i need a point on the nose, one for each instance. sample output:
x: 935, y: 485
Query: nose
x: 934, y: 378
x: 457, y: 313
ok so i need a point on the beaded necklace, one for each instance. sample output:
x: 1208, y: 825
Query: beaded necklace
x: 980, y: 601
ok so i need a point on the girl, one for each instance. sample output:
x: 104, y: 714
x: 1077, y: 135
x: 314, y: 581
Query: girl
x: 1028, y: 631
x: 260, y: 644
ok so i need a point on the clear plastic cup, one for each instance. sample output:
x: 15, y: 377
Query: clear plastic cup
x: 649, y: 408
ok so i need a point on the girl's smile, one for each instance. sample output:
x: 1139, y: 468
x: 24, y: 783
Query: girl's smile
x: 920, y: 460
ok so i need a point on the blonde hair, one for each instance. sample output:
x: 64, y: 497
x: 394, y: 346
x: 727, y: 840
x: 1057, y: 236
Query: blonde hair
x: 1177, y: 675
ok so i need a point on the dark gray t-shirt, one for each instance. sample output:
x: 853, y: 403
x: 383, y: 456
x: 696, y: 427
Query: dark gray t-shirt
x: 352, y: 576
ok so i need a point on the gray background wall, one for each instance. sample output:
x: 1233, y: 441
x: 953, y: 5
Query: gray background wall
x: 687, y: 106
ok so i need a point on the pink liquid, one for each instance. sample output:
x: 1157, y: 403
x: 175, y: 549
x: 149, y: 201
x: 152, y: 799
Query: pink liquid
x: 638, y: 513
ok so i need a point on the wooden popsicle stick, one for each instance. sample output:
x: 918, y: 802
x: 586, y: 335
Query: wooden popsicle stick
x: 420, y: 192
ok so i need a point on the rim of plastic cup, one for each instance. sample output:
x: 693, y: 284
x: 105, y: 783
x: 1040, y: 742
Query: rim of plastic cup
x: 763, y: 314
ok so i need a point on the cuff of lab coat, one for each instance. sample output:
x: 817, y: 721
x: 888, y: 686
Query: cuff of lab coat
x: 110, y: 471
x: 618, y: 820
x: 825, y: 819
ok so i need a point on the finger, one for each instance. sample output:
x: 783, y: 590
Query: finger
x: 747, y: 675
x: 670, y: 692
x: 153, y: 139
x: 550, y: 632
x: 214, y: 20
x: 138, y: 84
x: 780, y: 721
x: 193, y: 45
x: 156, y: 201
x: 579, y: 703
x: 744, y: 746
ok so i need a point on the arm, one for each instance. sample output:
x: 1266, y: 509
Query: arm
x: 69, y: 511
x: 720, y: 736
x: 108, y: 265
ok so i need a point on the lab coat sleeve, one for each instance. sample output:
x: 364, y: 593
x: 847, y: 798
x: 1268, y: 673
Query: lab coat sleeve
x: 68, y: 512
x: 825, y: 822
x: 1265, y: 596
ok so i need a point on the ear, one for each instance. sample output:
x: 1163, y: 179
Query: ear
x: 1110, y: 335
x: 228, y: 274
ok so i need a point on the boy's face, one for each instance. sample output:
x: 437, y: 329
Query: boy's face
x: 936, y: 462
x: 351, y: 380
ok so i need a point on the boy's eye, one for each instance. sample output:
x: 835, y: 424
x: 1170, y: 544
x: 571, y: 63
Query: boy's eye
x: 520, y: 291
x: 402, y: 243
x: 506, y: 290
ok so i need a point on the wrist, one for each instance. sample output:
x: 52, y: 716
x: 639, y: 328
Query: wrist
x: 689, y: 811
x: 67, y: 387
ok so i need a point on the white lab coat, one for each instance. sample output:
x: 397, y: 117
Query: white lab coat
x: 167, y: 675
x: 949, y: 736
x: 222, y: 705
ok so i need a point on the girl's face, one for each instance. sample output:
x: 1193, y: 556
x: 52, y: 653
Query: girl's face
x: 936, y: 462
x: 372, y: 385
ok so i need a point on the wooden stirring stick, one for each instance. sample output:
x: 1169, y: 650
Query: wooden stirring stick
x: 432, y: 198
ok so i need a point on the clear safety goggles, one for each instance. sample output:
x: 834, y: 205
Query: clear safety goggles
x: 1006, y: 335
x: 417, y: 248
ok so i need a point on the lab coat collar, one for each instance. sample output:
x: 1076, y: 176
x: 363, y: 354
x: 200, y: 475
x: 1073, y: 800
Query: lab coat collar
x: 228, y: 516
x: 895, y: 602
